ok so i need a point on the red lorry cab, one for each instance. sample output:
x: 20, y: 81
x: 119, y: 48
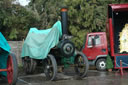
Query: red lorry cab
x: 94, y: 49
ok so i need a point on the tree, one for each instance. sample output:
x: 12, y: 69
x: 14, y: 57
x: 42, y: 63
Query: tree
x: 84, y: 16
x: 47, y: 10
x: 87, y: 16
x: 16, y: 20
x: 109, y: 63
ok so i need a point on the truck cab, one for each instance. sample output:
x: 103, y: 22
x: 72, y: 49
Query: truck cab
x: 96, y: 49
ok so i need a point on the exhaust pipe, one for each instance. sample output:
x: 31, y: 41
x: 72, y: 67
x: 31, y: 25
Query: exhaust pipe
x: 64, y: 20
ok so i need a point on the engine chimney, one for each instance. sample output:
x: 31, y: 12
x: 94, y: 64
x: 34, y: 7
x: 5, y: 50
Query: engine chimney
x: 64, y: 20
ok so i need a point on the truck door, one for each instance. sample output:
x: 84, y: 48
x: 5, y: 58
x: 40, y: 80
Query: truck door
x: 94, y: 46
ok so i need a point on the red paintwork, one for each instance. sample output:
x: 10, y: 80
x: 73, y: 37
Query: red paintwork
x: 3, y: 70
x: 111, y: 37
x: 121, y: 68
x: 10, y: 69
x: 96, y: 50
x: 119, y: 7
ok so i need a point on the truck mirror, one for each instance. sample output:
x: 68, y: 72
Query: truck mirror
x: 93, y: 42
x: 96, y: 37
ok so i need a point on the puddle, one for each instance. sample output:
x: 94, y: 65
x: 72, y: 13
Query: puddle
x: 94, y: 77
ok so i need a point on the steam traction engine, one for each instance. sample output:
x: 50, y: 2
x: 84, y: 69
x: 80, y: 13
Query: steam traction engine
x: 62, y: 55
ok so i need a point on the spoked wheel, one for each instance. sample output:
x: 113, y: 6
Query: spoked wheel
x: 12, y: 68
x: 29, y: 65
x: 50, y: 68
x: 81, y: 64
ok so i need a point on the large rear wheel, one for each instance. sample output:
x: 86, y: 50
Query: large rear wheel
x: 50, y: 68
x: 29, y: 65
x: 81, y: 64
x: 12, y: 68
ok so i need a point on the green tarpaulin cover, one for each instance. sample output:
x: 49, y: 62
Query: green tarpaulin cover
x: 39, y: 42
x: 4, y: 52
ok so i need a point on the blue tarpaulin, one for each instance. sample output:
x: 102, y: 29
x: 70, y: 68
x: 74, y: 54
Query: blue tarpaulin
x: 5, y: 50
x: 39, y: 42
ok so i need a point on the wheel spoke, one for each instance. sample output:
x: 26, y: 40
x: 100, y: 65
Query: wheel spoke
x: 50, y: 67
x: 81, y: 64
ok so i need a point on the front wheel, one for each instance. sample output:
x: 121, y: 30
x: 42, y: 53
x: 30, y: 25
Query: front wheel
x: 101, y: 64
x: 50, y: 67
x: 12, y: 68
x: 81, y: 64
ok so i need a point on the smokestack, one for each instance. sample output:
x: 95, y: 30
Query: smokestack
x: 64, y: 20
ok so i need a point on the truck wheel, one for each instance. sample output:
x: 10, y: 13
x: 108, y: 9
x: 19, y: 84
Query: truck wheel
x: 50, y: 68
x: 101, y: 64
x: 81, y: 64
x: 12, y: 67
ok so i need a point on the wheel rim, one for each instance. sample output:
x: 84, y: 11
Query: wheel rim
x: 102, y: 64
x: 10, y: 69
x: 80, y: 65
x: 49, y: 68
x: 68, y: 48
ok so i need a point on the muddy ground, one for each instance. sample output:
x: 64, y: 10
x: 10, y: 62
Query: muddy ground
x: 93, y: 77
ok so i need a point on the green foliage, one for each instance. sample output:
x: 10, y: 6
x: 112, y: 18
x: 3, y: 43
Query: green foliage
x: 87, y: 16
x: 84, y: 16
x: 16, y: 20
x: 109, y: 63
x: 47, y: 10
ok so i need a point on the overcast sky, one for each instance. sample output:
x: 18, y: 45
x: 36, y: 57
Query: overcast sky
x: 23, y: 2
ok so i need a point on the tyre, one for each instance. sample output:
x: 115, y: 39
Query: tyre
x: 101, y: 64
x: 50, y: 67
x: 29, y: 65
x: 81, y: 64
x: 12, y: 67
